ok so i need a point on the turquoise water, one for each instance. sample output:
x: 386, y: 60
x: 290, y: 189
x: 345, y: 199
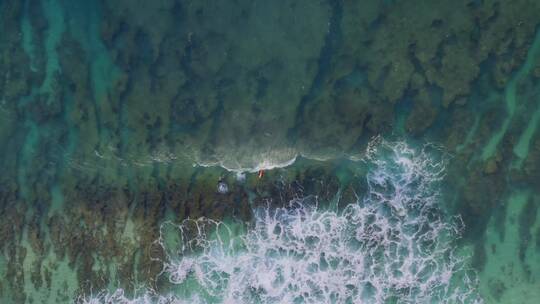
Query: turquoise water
x: 398, y: 142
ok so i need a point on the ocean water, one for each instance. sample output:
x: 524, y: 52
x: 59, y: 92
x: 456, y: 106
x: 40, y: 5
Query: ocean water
x: 395, y: 244
x: 302, y: 151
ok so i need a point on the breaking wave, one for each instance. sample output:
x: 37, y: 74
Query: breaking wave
x: 393, y: 245
x: 253, y: 162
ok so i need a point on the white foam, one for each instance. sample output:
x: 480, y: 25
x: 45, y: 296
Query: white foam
x: 394, y: 245
x: 119, y: 297
x: 264, y: 162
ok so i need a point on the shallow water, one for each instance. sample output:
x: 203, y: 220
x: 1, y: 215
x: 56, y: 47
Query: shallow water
x: 399, y: 143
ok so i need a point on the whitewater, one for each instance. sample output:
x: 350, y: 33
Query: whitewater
x: 394, y: 244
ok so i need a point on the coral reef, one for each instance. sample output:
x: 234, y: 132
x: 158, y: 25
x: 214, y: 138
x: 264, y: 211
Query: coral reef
x: 119, y: 118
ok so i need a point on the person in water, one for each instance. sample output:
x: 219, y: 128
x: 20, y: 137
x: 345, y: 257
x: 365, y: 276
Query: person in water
x: 222, y: 187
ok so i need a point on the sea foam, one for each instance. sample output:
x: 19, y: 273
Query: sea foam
x: 395, y: 244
